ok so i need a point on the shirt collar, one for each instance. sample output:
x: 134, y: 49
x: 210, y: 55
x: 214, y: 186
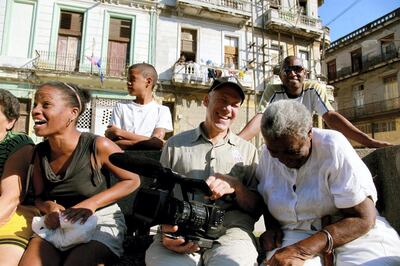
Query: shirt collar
x: 231, y: 138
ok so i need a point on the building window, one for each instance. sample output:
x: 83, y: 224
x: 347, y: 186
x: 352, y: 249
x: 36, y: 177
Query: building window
x: 388, y: 47
x: 358, y: 95
x: 189, y: 44
x: 391, y: 87
x: 332, y: 69
x: 19, y: 31
x: 356, y: 60
x: 118, y: 53
x: 274, y: 4
x: 303, y: 55
x: 69, y: 41
x: 276, y: 54
x: 303, y: 7
x: 231, y: 52
x: 384, y: 126
x: 22, y: 124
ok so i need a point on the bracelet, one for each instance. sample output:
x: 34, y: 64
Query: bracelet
x: 330, y: 241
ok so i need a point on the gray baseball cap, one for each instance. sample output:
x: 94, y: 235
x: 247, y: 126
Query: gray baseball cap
x: 232, y: 82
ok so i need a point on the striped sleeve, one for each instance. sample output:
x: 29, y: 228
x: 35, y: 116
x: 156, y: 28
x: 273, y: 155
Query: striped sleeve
x: 321, y: 102
x: 268, y: 93
x: 11, y: 144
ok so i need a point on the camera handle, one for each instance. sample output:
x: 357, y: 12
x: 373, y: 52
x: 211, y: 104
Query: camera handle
x: 202, y: 242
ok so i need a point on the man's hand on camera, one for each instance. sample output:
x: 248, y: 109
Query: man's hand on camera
x: 221, y: 185
x: 177, y: 244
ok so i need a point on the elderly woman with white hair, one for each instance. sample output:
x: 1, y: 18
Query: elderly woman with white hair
x: 309, y: 176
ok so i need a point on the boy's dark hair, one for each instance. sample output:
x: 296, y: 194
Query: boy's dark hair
x: 9, y: 105
x: 146, y: 70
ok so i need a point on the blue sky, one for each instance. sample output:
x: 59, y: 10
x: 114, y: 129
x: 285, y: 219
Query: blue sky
x: 361, y: 13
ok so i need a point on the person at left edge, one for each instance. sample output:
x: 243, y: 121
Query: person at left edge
x: 15, y: 152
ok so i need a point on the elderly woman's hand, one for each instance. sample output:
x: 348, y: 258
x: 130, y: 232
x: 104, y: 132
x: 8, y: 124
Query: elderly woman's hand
x: 271, y: 239
x: 292, y: 255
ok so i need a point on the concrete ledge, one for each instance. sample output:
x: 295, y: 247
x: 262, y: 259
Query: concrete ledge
x: 384, y: 165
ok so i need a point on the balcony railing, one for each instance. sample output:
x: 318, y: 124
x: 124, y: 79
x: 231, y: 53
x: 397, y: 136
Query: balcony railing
x: 367, y: 63
x: 202, y: 75
x: 294, y: 19
x: 371, y: 109
x: 112, y: 67
x: 238, y: 5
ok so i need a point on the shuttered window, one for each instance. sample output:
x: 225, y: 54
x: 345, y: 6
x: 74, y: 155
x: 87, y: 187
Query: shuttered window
x: 231, y: 52
x: 69, y: 41
x: 71, y: 23
x: 119, y: 39
x: 189, y: 44
x: 332, y: 69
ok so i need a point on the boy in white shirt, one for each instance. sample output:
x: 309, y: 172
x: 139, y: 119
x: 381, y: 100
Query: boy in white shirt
x: 142, y: 123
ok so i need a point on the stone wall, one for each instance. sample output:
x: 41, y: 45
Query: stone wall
x: 384, y: 165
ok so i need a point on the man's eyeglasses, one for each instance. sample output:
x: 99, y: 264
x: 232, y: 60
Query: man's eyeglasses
x: 296, y: 69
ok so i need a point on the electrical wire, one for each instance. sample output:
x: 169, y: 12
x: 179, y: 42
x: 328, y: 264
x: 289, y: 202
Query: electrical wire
x: 342, y: 13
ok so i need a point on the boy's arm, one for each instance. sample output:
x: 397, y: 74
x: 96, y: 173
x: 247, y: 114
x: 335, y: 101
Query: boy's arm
x: 127, y: 140
x: 115, y: 133
x: 338, y: 122
x: 252, y: 128
x: 159, y: 133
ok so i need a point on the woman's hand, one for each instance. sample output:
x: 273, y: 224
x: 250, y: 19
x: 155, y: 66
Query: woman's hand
x: 292, y: 255
x: 75, y: 214
x: 52, y: 218
x: 177, y: 244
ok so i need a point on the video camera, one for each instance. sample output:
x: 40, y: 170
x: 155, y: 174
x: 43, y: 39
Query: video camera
x: 197, y: 222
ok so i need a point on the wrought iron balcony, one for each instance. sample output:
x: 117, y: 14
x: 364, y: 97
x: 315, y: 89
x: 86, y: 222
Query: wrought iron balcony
x: 196, y: 75
x: 372, y: 109
x: 293, y: 22
x: 229, y: 11
x: 111, y: 67
x: 368, y: 62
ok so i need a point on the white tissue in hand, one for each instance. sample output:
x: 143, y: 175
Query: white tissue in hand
x: 68, y: 234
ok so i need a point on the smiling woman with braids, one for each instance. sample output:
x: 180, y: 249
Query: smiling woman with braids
x: 69, y: 179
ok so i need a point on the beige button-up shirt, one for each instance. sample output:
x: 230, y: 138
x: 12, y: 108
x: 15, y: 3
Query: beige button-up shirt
x: 193, y: 155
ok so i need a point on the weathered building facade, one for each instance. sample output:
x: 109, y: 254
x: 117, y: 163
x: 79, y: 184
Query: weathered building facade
x: 363, y: 67
x: 91, y: 43
x: 85, y: 42
x: 245, y: 39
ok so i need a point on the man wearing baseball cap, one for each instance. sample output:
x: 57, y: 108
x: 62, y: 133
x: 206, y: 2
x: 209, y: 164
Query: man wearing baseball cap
x: 227, y: 163
x: 231, y: 81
